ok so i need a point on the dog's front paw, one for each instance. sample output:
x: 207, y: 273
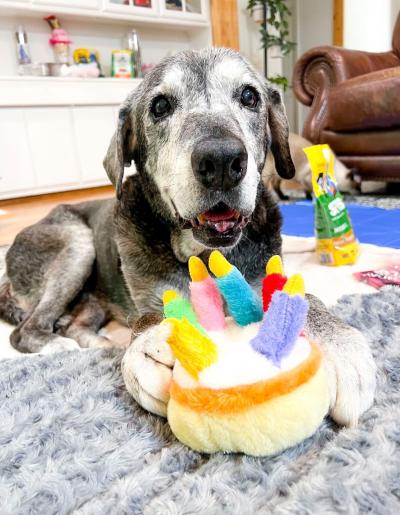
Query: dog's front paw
x: 352, y: 375
x: 147, y: 369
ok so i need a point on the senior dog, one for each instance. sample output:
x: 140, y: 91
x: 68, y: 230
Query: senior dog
x: 198, y: 129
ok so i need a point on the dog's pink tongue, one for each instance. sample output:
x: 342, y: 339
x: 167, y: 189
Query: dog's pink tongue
x: 220, y: 220
x: 224, y: 226
x: 215, y: 216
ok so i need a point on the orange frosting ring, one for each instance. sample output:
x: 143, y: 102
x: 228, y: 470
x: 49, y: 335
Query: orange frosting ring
x: 239, y: 398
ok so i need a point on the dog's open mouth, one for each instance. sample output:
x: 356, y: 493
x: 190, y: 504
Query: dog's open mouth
x: 219, y: 226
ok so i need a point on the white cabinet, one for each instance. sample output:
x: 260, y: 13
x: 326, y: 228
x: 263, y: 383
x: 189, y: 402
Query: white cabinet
x: 185, y: 9
x: 79, y: 4
x: 132, y: 7
x: 168, y: 13
x: 16, y: 170
x: 55, y: 138
x: 93, y: 128
x: 46, y: 149
x: 51, y: 145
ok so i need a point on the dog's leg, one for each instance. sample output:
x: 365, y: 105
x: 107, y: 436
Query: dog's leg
x: 10, y: 312
x: 348, y: 360
x: 88, y: 317
x: 63, y: 277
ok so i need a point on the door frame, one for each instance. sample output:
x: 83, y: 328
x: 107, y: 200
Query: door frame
x: 338, y: 22
x: 224, y: 23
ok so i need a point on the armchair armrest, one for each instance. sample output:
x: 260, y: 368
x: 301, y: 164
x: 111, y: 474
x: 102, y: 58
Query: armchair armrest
x: 327, y: 66
x: 322, y: 68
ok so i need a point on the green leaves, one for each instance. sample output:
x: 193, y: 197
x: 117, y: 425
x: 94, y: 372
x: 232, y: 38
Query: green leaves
x: 280, y: 81
x: 278, y: 15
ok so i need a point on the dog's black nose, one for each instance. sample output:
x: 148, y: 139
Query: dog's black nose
x: 219, y: 163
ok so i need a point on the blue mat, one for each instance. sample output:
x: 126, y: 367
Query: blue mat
x: 371, y: 224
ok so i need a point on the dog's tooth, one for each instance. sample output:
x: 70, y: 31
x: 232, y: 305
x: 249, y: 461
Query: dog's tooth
x: 201, y: 218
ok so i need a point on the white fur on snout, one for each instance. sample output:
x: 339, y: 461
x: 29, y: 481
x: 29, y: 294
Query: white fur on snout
x: 178, y: 185
x: 248, y: 186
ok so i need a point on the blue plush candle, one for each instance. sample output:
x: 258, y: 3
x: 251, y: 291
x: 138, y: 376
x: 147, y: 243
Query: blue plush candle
x: 243, y: 303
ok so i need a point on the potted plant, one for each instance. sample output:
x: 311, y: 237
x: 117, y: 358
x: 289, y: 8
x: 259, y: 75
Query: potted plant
x: 274, y: 32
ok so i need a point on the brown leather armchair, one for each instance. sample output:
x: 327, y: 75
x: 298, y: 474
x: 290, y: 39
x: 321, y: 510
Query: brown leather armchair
x: 355, y: 105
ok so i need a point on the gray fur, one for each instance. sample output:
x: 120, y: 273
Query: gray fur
x: 73, y: 441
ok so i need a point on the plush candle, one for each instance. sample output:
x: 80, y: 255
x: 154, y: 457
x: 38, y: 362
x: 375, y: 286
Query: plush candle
x: 273, y: 281
x: 243, y: 303
x: 283, y: 321
x: 206, y: 298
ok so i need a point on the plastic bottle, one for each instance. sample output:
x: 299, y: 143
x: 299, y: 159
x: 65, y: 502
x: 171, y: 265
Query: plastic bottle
x: 134, y: 46
x: 23, y: 54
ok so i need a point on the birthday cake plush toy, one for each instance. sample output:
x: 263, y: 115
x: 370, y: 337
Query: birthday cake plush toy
x: 251, y: 382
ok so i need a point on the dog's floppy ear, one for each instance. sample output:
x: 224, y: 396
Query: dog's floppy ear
x: 279, y: 128
x: 120, y: 150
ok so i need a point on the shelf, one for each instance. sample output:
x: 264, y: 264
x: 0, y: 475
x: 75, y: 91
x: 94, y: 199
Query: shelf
x: 11, y: 8
x: 59, y: 91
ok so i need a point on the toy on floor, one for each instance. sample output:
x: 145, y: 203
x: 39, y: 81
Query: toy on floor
x: 336, y: 243
x: 251, y: 382
x: 387, y: 276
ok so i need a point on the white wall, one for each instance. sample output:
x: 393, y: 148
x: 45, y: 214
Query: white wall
x: 311, y: 25
x: 314, y: 28
x: 249, y: 37
x: 314, y: 24
x: 250, y: 47
x: 395, y: 10
x: 368, y: 25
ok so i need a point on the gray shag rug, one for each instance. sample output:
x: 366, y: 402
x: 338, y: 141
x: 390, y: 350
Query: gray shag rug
x: 73, y: 441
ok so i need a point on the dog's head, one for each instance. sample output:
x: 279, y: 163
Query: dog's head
x: 198, y: 128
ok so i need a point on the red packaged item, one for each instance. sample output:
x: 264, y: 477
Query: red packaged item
x: 389, y: 275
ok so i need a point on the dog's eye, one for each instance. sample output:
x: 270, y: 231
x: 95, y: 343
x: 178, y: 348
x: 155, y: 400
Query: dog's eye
x: 160, y: 107
x: 249, y: 97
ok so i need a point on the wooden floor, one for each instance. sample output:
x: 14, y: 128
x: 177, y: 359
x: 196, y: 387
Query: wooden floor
x: 15, y: 214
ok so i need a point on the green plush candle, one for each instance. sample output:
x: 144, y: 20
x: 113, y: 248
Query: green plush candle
x: 180, y: 308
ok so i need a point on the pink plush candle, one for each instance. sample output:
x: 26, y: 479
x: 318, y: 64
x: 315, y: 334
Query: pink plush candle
x: 206, y: 298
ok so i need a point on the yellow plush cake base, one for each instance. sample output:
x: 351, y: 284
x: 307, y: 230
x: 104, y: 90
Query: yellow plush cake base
x: 262, y: 430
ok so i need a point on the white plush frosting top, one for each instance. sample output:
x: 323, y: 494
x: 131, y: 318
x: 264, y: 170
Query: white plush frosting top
x: 238, y: 363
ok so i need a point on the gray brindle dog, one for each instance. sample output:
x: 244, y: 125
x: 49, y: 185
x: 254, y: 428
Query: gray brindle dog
x: 198, y: 129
